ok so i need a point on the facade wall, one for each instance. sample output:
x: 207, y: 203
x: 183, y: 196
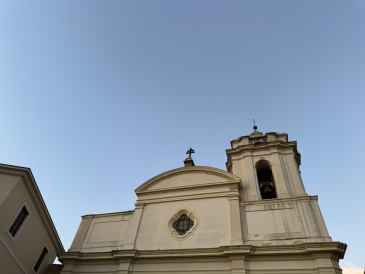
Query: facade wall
x: 207, y: 265
x: 278, y: 264
x: 7, y: 184
x: 103, y: 232
x: 11, y: 266
x: 213, y: 229
x: 289, y: 221
x: 108, y: 232
x: 27, y: 245
x: 185, y: 179
x: 300, y: 259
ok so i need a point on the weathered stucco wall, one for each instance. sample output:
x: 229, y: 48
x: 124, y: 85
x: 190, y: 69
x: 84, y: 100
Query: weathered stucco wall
x: 284, y: 221
x: 103, y: 232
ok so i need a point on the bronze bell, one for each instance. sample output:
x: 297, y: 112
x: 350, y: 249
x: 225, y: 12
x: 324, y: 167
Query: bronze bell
x: 267, y: 192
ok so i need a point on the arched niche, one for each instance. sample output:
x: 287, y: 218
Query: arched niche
x: 265, y: 180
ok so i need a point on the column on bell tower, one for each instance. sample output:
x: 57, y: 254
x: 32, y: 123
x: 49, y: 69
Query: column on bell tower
x: 268, y: 165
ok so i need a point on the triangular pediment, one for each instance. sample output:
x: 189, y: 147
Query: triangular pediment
x: 187, y: 177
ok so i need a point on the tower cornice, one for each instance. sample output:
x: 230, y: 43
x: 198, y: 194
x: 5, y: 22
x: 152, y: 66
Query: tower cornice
x: 258, y: 146
x: 262, y: 145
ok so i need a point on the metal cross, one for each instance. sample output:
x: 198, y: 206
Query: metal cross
x: 190, y: 151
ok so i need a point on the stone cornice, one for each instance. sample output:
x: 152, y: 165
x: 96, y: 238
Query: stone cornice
x: 36, y: 196
x: 282, y: 200
x: 320, y: 249
x: 248, y: 149
x: 143, y: 201
x: 251, y: 147
x: 324, y: 249
x: 306, y: 248
x: 108, y: 214
x: 198, y: 186
x: 256, y: 136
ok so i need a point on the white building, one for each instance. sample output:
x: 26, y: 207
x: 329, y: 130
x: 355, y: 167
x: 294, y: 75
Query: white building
x: 29, y: 241
x: 254, y: 218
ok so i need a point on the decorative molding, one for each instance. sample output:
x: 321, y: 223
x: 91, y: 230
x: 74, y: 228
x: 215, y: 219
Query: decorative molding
x: 197, y: 186
x: 108, y: 214
x: 280, y: 200
x: 174, y: 217
x: 187, y: 197
x: 255, y: 252
x: 279, y: 146
x: 195, y: 169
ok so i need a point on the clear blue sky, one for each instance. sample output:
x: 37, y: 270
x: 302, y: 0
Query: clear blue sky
x: 96, y: 97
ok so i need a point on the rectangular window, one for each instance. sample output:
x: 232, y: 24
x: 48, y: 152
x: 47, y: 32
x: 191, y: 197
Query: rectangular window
x: 18, y: 221
x: 40, y: 259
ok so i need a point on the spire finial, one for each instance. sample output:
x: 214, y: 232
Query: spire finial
x: 254, y: 125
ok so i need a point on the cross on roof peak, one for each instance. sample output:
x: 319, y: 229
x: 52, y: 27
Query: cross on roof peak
x: 190, y: 151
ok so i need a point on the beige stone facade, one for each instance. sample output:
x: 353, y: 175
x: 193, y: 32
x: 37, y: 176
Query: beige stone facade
x: 254, y: 218
x: 26, y: 228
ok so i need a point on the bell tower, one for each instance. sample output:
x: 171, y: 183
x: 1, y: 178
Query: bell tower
x: 275, y: 208
x: 268, y: 166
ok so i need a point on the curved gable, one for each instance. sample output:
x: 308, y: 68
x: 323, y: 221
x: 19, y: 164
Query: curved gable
x: 187, y: 176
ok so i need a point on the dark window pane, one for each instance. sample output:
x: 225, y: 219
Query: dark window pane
x: 183, y: 224
x: 18, y: 221
x: 40, y: 259
x: 191, y: 224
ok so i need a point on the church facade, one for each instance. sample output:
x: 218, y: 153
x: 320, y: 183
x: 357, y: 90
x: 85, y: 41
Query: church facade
x: 256, y: 217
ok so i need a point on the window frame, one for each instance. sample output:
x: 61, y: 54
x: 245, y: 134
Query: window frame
x: 175, y: 217
x: 43, y: 259
x: 183, y: 224
x: 13, y: 238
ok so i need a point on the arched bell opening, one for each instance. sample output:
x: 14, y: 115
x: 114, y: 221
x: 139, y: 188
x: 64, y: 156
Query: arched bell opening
x: 265, y: 180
